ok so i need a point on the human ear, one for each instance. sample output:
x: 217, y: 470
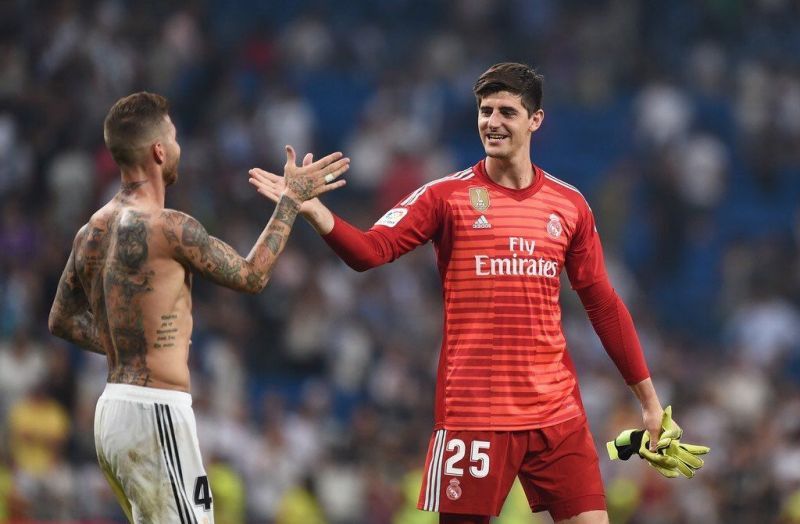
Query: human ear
x: 159, y: 153
x: 536, y: 120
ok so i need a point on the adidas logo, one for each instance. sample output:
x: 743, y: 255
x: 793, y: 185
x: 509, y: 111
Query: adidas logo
x: 481, y: 223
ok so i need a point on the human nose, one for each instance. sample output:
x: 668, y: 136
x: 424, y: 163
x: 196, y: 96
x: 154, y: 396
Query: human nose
x: 494, y: 120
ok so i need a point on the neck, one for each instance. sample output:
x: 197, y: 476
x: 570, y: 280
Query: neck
x: 140, y: 184
x: 514, y: 173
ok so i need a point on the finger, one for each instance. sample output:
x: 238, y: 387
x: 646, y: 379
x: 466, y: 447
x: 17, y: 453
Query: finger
x: 330, y: 187
x: 262, y: 178
x: 265, y: 178
x: 263, y: 188
x: 335, y: 173
x: 688, y: 459
x: 658, y: 458
x: 667, y: 472
x: 291, y: 157
x: 308, y: 159
x: 327, y: 160
x: 671, y: 428
x: 664, y: 442
x: 685, y: 470
x: 264, y: 174
x: 694, y: 449
x: 661, y: 460
x: 337, y: 167
x: 613, y: 452
x: 653, y: 444
x: 672, y: 431
x: 270, y: 194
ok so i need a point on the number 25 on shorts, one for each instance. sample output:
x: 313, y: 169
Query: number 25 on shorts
x: 479, y: 461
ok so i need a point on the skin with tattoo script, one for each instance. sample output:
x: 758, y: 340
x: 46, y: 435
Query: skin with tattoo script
x: 126, y: 289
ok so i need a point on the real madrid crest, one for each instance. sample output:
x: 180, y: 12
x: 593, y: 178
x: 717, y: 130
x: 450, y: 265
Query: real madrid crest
x: 454, y: 490
x: 554, y: 227
x: 479, y: 198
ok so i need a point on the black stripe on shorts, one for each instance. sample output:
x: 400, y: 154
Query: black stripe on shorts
x: 178, y: 492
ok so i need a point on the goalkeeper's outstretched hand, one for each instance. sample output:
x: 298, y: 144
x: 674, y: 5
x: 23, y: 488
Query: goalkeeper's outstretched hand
x: 671, y: 458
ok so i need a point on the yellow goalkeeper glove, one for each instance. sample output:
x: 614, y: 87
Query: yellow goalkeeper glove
x: 635, y: 442
x: 670, y: 430
x: 686, y: 454
x: 677, y: 457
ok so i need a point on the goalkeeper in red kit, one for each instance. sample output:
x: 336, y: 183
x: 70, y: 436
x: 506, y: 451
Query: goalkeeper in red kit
x: 507, y: 402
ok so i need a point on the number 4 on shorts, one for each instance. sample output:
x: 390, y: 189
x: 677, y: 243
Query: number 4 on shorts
x: 202, y: 493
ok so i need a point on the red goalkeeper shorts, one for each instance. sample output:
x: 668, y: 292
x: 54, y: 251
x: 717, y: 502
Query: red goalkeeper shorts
x: 471, y: 472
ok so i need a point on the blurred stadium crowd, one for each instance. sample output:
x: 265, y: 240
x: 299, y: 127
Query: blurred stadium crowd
x: 680, y: 121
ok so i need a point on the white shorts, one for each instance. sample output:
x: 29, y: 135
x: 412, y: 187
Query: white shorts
x: 146, y: 440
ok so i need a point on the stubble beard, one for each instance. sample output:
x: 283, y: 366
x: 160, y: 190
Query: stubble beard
x: 170, y: 176
x: 499, y: 153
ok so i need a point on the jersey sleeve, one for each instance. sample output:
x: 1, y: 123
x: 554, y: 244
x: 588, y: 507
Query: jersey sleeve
x: 584, y: 261
x: 412, y: 222
x: 613, y: 324
x: 610, y: 318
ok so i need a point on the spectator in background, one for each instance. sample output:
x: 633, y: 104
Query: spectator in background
x: 22, y: 367
x: 731, y: 66
x: 38, y: 429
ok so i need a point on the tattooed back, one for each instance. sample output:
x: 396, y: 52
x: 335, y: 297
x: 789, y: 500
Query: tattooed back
x: 139, y: 294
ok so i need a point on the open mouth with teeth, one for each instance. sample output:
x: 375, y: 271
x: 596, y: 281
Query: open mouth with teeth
x: 491, y: 137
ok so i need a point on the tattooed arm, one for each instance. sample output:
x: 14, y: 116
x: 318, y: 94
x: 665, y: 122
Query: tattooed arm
x: 214, y: 259
x: 70, y: 316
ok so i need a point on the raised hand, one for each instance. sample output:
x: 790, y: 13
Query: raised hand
x: 272, y: 186
x: 313, y: 178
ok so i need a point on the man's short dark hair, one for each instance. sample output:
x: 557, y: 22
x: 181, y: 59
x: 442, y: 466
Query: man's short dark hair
x: 131, y: 123
x: 519, y: 79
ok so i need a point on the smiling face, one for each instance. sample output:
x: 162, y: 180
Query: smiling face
x: 504, y: 125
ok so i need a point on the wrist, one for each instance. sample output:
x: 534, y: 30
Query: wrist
x: 310, y: 209
x: 316, y: 214
x: 291, y: 195
x: 646, y: 394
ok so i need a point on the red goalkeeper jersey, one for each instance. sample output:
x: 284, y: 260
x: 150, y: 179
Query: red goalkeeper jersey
x: 500, y: 252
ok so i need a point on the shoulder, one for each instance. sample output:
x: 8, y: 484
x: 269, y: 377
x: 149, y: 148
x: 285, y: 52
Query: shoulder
x: 441, y: 187
x: 82, y: 233
x: 570, y: 194
x: 98, y: 225
x: 174, y: 218
x: 180, y: 227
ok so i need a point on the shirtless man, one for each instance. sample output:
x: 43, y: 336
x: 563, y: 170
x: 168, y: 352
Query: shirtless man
x: 126, y: 293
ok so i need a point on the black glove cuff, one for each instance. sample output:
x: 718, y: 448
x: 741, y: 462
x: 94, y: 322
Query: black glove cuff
x: 631, y: 449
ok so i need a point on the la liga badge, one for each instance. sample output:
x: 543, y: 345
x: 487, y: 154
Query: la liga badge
x: 392, y: 217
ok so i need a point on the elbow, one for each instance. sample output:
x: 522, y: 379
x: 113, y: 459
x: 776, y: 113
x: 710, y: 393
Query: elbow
x: 256, y: 286
x: 55, y: 326
x: 255, y: 290
x: 363, y: 264
x: 360, y: 266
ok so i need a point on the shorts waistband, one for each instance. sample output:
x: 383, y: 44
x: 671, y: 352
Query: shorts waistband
x: 145, y: 394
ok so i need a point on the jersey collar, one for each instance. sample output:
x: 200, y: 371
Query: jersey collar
x: 517, y: 194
